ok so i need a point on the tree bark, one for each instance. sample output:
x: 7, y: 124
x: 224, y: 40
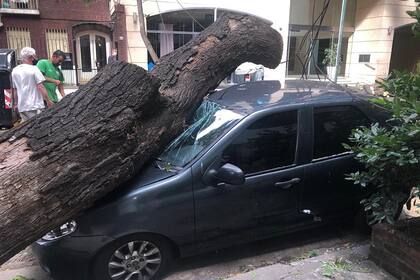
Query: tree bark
x: 58, y: 163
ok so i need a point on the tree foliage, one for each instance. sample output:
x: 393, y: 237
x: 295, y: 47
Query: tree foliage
x: 416, y: 15
x: 330, y: 55
x: 390, y: 153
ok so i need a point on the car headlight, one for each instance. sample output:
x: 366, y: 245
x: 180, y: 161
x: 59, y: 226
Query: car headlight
x: 61, y: 231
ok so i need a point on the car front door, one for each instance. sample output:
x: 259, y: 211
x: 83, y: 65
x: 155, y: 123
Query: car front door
x: 265, y: 150
x: 327, y: 193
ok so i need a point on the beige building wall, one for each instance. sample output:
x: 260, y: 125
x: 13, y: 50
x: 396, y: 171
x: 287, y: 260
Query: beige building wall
x: 273, y: 10
x: 136, y: 51
x: 375, y: 22
x: 301, y: 12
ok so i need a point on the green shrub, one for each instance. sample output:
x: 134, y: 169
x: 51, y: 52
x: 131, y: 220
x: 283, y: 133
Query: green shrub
x: 391, y: 153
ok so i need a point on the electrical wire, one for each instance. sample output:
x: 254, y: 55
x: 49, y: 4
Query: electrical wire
x: 311, y: 48
x: 188, y: 13
x: 318, y: 21
x: 312, y: 26
x: 312, y: 38
x: 315, y: 39
x: 160, y: 14
x: 305, y: 37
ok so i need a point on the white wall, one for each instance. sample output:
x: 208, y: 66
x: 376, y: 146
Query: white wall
x: 276, y: 11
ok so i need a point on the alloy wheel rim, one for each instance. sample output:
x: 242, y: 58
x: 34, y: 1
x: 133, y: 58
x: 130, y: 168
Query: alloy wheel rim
x: 135, y: 260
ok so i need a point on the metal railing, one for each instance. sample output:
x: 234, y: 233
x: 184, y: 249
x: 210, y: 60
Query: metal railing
x: 19, y: 4
x: 69, y: 77
x: 84, y: 76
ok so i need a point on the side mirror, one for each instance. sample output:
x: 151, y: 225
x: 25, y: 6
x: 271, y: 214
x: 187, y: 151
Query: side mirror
x: 228, y: 173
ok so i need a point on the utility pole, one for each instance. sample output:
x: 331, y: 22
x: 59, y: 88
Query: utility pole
x: 340, y: 39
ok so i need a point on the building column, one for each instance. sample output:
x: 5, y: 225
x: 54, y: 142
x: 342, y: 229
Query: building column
x: 119, y: 33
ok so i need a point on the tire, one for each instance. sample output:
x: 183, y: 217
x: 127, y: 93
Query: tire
x: 141, y: 253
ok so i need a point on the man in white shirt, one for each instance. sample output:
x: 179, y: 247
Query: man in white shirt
x: 27, y: 79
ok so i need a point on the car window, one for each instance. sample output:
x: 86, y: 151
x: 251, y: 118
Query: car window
x: 332, y: 128
x: 266, y: 144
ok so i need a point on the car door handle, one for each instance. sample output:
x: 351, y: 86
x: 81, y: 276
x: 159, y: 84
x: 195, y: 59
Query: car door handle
x: 287, y: 184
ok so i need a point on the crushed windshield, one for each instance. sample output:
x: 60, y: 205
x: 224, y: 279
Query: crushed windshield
x: 210, y: 121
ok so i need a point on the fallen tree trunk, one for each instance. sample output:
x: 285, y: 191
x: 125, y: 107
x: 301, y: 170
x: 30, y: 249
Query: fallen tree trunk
x: 57, y: 164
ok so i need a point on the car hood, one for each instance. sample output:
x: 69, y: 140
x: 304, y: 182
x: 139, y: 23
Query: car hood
x: 149, y: 174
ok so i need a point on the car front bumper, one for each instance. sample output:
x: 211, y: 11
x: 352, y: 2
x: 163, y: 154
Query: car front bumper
x: 69, y: 258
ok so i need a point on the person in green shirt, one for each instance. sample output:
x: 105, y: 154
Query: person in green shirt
x: 53, y: 76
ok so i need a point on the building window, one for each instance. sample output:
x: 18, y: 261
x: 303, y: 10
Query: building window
x: 57, y: 39
x: 169, y: 31
x: 85, y: 53
x: 18, y: 38
x: 364, y: 58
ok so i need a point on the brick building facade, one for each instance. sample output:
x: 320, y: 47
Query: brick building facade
x: 83, y: 29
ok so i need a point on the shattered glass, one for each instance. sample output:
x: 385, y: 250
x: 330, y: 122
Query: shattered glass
x: 209, y: 123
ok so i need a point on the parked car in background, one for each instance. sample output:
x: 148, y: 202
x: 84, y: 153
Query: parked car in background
x: 256, y: 161
x: 244, y: 73
x: 248, y: 72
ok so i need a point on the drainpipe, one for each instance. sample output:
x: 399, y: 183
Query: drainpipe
x: 340, y: 39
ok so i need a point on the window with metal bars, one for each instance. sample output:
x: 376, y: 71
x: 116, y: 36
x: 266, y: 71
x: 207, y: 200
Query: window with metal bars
x: 18, y: 38
x: 57, y: 39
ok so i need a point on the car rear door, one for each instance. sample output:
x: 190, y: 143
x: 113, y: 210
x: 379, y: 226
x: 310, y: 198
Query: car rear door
x: 266, y: 150
x: 327, y: 193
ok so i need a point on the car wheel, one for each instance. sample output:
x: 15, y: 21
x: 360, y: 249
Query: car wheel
x: 139, y: 257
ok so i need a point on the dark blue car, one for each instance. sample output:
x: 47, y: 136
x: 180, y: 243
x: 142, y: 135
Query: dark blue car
x: 255, y: 162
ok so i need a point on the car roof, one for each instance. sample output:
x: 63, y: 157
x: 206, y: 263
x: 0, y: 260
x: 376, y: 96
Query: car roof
x: 250, y: 97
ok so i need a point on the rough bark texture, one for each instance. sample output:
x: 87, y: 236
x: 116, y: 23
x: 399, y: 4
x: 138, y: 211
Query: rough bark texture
x: 60, y: 162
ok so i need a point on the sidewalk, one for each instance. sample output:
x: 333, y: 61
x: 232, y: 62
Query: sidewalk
x: 340, y: 264
x: 31, y: 273
x: 70, y: 89
x: 348, y: 262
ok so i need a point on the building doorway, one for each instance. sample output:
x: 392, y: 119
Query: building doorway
x: 405, y: 54
x: 315, y: 66
x: 92, y: 49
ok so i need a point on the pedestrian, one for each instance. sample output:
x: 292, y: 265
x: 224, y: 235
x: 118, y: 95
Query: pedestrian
x: 114, y: 56
x: 53, y: 76
x: 27, y: 80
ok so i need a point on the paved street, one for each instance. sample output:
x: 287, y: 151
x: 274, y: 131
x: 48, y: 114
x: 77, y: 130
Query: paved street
x: 232, y: 261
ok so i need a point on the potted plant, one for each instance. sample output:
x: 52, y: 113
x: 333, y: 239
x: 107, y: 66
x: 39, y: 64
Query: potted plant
x: 329, y: 60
